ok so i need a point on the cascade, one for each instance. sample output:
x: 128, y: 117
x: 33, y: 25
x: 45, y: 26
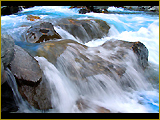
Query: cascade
x: 85, y: 76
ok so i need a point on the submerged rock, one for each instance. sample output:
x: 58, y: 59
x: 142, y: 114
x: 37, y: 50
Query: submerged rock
x: 85, y: 30
x: 32, y: 18
x: 102, y: 110
x: 41, y: 32
x: 83, y: 104
x: 108, y: 62
x: 53, y: 49
x: 80, y: 62
x: 32, y: 84
x: 138, y: 48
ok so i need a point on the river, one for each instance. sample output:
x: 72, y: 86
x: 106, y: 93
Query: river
x: 133, y: 26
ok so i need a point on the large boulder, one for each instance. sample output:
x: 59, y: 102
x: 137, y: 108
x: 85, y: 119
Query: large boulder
x: 37, y: 95
x: 32, y: 84
x: 137, y: 47
x: 41, y: 32
x: 7, y: 49
x: 7, y: 54
x: 142, y: 53
x: 72, y: 54
x: 85, y: 30
x: 25, y: 67
x: 53, y: 49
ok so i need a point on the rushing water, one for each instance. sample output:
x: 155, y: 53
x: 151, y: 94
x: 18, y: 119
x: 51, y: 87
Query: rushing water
x: 100, y: 90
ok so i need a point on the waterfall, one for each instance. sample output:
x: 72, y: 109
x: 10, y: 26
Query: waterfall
x: 12, y: 83
x: 94, y: 88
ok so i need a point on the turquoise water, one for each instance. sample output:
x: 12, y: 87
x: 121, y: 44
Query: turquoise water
x: 125, y: 25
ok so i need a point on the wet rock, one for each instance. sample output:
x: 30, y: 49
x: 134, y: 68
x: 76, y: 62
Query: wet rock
x: 142, y: 53
x: 25, y: 67
x: 7, y: 54
x: 7, y: 49
x: 41, y: 32
x: 84, y: 11
x: 102, y: 110
x: 138, y: 48
x: 85, y: 30
x: 32, y: 84
x: 84, y: 104
x: 87, y: 9
x: 143, y: 8
x: 38, y: 95
x: 53, y: 49
x: 8, y: 10
x: 95, y: 9
x: 79, y: 63
x: 32, y: 18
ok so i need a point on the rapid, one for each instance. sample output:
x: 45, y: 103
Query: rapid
x: 77, y: 86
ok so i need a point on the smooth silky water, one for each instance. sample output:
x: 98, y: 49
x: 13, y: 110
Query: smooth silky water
x: 137, y: 91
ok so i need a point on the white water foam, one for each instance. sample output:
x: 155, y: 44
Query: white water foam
x: 115, y: 9
x: 148, y: 36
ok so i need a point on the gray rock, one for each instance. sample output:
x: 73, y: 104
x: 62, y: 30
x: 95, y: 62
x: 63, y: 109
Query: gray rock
x: 142, y: 53
x: 25, y: 67
x: 32, y: 84
x: 7, y: 49
x: 7, y: 54
x: 38, y: 95
x: 41, y: 32
x: 138, y: 48
x: 51, y: 50
x: 85, y: 30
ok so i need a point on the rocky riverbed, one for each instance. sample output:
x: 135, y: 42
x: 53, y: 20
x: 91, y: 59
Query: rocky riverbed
x: 51, y: 65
